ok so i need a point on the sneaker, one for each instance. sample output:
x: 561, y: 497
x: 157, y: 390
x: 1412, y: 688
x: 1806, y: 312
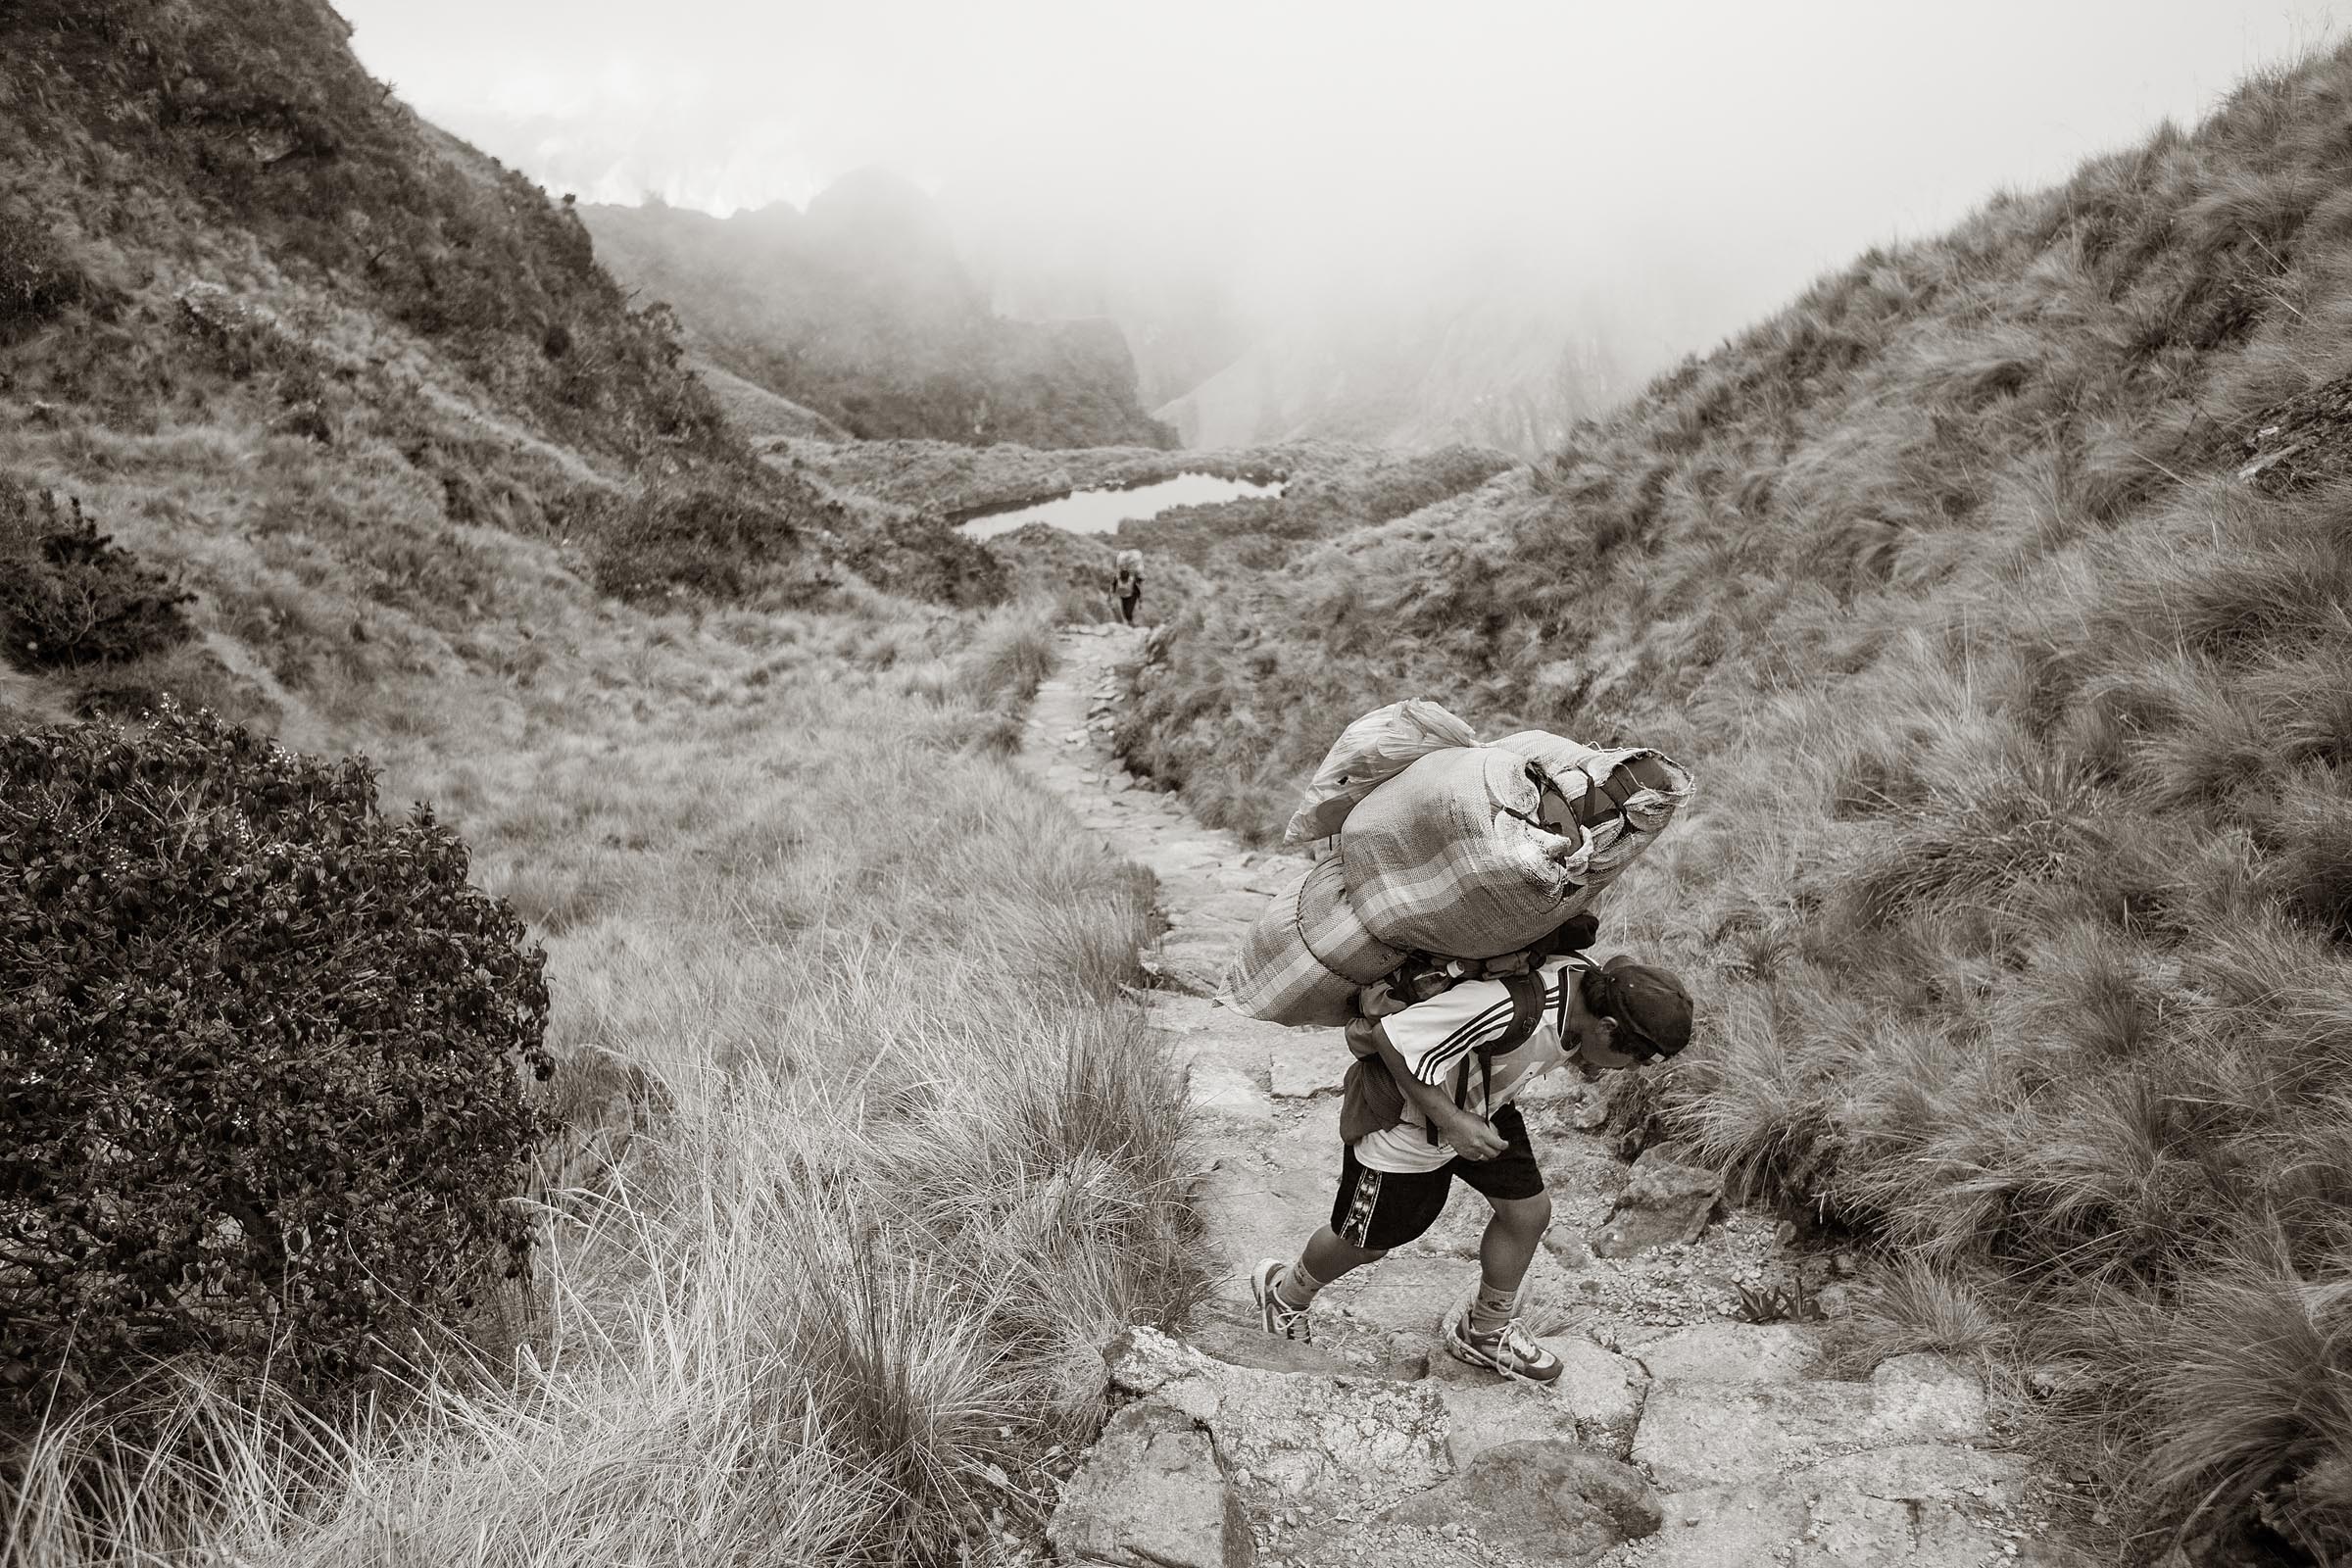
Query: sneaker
x: 1510, y: 1351
x: 1275, y: 1318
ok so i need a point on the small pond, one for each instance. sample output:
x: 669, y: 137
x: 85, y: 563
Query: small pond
x: 1102, y: 510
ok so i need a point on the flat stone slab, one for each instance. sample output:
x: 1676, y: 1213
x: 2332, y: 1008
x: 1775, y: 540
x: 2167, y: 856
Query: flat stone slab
x: 1256, y: 1209
x: 1228, y: 1094
x: 1727, y: 1353
x: 1920, y: 1506
x: 1229, y: 1331
x: 1696, y: 1433
x: 1303, y: 1069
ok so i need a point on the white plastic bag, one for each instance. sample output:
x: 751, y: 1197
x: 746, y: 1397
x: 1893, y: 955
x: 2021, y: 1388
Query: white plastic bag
x: 1374, y: 749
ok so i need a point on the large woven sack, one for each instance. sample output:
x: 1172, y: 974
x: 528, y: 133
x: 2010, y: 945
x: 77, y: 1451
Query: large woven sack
x: 1452, y: 856
x: 1373, y: 750
x: 1302, y: 961
x: 1628, y: 793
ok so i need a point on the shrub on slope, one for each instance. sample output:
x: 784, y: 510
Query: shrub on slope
x: 2022, y: 867
x: 72, y: 596
x: 263, y: 1062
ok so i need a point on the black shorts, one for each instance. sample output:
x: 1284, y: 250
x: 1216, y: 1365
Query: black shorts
x: 1378, y: 1209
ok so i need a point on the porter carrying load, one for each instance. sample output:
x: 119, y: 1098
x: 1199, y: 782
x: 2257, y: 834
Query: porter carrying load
x: 1463, y: 851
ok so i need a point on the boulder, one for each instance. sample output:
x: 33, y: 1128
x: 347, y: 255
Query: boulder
x: 1300, y: 1435
x: 1543, y: 1500
x: 1921, y: 1505
x: 1696, y: 1433
x: 1151, y: 1495
x: 1665, y: 1199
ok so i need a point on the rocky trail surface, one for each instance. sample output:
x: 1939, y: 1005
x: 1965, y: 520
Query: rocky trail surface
x: 1678, y: 1437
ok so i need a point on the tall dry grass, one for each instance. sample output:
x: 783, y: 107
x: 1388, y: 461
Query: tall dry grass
x: 913, y: 1154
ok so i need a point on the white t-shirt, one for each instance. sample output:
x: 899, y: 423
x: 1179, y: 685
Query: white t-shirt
x: 1437, y: 1040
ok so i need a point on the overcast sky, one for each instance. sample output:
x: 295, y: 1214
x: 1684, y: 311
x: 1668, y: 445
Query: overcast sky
x: 1710, y: 156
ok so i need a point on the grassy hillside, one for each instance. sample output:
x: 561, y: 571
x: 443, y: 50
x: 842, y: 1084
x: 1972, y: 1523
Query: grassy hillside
x: 861, y: 1148
x: 860, y: 310
x: 2019, y: 897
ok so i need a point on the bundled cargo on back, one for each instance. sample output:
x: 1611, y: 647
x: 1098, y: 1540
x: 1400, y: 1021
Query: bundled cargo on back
x: 1446, y: 849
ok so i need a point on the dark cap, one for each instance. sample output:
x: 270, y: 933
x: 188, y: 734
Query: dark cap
x: 1648, y: 1002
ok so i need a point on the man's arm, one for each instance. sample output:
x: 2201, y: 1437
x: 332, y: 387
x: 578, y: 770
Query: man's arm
x: 1472, y: 1137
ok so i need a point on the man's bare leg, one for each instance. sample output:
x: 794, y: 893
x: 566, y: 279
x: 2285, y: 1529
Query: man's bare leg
x: 1487, y: 1332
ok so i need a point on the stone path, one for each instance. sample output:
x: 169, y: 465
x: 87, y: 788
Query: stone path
x: 1677, y: 1438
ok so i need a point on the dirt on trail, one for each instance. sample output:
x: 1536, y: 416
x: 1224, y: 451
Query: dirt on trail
x: 1679, y: 1437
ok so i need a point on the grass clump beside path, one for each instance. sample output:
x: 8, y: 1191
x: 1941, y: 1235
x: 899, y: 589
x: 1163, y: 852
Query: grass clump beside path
x: 914, y: 1156
x: 2022, y: 878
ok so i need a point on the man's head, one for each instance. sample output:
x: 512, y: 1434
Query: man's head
x: 1629, y: 1013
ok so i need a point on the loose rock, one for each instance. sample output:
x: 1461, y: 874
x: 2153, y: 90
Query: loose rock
x: 1665, y: 1201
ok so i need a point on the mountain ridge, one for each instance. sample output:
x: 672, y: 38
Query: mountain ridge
x: 860, y: 310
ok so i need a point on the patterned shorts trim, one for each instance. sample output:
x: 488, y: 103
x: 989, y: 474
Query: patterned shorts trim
x: 1377, y: 1211
x: 1357, y: 1226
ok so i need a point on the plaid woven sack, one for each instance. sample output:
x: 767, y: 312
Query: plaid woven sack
x: 1302, y: 959
x: 1452, y: 856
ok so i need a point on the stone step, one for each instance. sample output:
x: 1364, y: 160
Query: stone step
x: 1727, y: 1353
x: 1696, y: 1433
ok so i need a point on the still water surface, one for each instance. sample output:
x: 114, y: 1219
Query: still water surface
x: 1102, y: 510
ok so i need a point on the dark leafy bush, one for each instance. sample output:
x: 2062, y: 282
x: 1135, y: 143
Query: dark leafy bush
x: 71, y: 597
x: 263, y: 1062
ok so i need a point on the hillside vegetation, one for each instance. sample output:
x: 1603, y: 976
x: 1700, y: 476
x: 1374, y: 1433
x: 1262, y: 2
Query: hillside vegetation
x: 853, y: 1149
x: 860, y: 310
x: 2021, y: 894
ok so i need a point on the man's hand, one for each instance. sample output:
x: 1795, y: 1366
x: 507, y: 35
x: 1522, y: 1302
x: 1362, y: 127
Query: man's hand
x: 1378, y: 1002
x: 1474, y: 1138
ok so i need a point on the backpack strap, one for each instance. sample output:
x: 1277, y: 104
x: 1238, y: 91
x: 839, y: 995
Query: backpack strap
x: 1527, y: 1010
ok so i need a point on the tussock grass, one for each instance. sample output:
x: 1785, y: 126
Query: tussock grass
x: 1916, y: 1306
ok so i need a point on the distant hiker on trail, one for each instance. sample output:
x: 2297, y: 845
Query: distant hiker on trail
x: 1128, y: 587
x: 1429, y: 1098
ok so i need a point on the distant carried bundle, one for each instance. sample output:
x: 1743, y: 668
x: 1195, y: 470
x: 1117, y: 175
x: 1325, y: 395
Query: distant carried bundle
x: 1454, y: 851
